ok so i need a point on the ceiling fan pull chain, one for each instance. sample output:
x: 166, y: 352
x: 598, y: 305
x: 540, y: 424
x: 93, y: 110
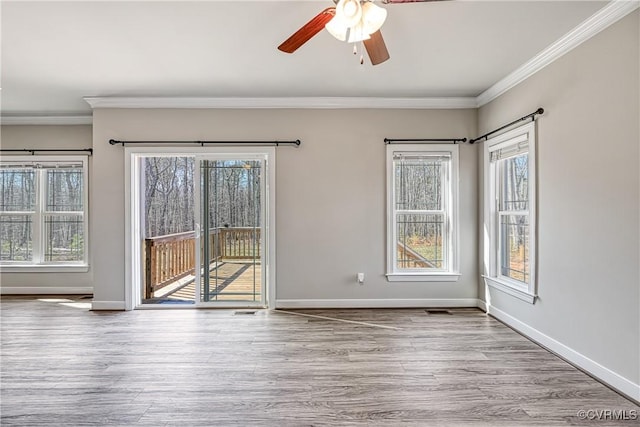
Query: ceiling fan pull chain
x: 355, y: 49
x: 362, y: 53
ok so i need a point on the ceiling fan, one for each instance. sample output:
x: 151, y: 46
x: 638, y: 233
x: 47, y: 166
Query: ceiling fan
x: 351, y: 21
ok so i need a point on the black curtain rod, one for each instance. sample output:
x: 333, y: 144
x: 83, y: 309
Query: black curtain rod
x: 486, y: 135
x: 33, y: 151
x: 424, y: 141
x: 202, y: 143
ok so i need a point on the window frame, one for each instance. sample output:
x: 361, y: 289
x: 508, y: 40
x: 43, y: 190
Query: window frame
x: 40, y: 213
x: 518, y: 141
x: 450, y: 208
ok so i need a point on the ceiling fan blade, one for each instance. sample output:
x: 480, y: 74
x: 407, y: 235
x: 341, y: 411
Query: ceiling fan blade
x: 376, y: 48
x: 307, y: 31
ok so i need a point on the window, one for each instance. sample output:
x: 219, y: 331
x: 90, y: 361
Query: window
x: 43, y: 219
x: 422, y: 193
x: 510, y: 204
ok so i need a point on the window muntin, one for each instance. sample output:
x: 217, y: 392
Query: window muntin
x: 421, y: 226
x: 42, y: 211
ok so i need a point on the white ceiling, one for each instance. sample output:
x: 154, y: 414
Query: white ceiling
x: 55, y: 53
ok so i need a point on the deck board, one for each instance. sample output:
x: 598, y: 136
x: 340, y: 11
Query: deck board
x: 240, y: 288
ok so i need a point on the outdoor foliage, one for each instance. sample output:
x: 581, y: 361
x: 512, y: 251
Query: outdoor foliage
x: 233, y: 194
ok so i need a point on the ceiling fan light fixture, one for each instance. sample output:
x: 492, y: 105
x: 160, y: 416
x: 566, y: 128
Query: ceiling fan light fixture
x: 372, y: 17
x: 357, y: 33
x: 337, y: 28
x: 349, y: 12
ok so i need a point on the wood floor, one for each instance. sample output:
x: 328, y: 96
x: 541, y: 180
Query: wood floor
x: 62, y: 365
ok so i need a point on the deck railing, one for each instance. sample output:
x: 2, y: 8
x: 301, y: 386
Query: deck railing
x: 172, y: 257
x: 408, y: 258
x: 238, y: 243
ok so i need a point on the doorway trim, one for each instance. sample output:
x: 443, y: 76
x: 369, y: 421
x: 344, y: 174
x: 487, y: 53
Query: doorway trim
x: 132, y: 251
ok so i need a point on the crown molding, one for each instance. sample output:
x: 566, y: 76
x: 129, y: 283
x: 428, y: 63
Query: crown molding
x: 46, y: 120
x: 282, y: 103
x: 600, y: 20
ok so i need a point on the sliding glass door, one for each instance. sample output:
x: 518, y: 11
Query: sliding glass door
x: 202, y: 228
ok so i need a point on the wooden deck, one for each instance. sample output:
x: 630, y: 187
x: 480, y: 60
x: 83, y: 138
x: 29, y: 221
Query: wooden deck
x: 229, y: 281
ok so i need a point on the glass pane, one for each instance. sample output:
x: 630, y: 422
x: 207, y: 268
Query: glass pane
x: 514, y: 247
x: 169, y: 220
x: 64, y: 190
x: 64, y: 238
x: 420, y: 241
x: 169, y: 200
x: 16, y: 238
x: 418, y: 183
x: 17, y: 189
x: 514, y: 185
x: 234, y: 192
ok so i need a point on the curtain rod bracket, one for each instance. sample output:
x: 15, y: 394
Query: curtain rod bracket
x: 486, y: 135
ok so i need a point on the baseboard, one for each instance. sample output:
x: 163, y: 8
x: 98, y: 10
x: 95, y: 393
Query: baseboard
x: 592, y: 367
x: 376, y: 303
x: 107, y: 305
x: 482, y: 305
x: 46, y: 290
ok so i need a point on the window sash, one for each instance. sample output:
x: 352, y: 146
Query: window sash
x: 428, y: 250
x: 402, y: 163
x: 506, y: 255
x: 72, y: 251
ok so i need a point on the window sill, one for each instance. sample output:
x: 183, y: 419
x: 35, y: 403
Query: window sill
x: 44, y: 268
x: 510, y: 289
x: 421, y: 277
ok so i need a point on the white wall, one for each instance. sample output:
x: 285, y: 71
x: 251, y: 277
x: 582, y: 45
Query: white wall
x: 588, y: 204
x: 330, y: 193
x: 18, y: 137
